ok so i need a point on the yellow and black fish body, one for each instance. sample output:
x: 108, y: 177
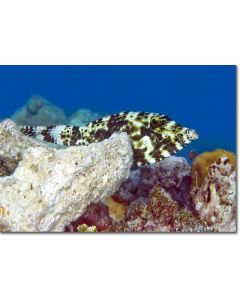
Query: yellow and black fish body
x: 153, y: 136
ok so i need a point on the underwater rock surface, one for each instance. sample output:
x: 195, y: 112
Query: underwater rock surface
x: 173, y: 174
x: 50, y: 188
x: 39, y: 111
x: 82, y: 117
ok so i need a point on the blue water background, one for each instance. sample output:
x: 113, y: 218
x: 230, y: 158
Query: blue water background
x: 199, y: 97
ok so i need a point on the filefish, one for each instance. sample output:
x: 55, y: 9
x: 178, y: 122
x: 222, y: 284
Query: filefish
x: 153, y: 136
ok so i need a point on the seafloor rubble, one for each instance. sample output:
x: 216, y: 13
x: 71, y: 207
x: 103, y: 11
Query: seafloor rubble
x: 94, y: 189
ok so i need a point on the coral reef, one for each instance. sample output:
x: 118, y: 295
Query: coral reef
x: 213, y: 202
x: 202, y: 164
x: 160, y: 214
x: 160, y: 198
x: 82, y: 117
x: 173, y: 174
x: 215, y: 199
x: 45, y: 187
x: 39, y: 111
x: 51, y: 188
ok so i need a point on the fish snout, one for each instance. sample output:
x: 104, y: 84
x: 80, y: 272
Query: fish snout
x: 192, y: 134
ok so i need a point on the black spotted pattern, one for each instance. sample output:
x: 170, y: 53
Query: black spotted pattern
x: 153, y: 136
x: 75, y: 136
x: 46, y: 133
x: 28, y: 130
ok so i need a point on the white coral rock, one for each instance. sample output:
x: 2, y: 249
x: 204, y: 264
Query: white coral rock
x: 52, y: 187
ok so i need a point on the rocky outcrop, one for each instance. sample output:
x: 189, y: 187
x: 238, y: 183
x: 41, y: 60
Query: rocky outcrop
x: 173, y: 174
x: 39, y: 111
x: 49, y: 188
x: 82, y: 117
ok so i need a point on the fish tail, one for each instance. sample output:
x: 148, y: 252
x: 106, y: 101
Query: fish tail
x: 50, y: 134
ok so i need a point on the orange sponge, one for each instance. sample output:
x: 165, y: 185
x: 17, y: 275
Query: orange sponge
x: 117, y: 210
x: 201, y: 164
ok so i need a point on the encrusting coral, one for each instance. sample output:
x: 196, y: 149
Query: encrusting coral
x: 86, y: 228
x: 50, y: 188
x: 160, y: 214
